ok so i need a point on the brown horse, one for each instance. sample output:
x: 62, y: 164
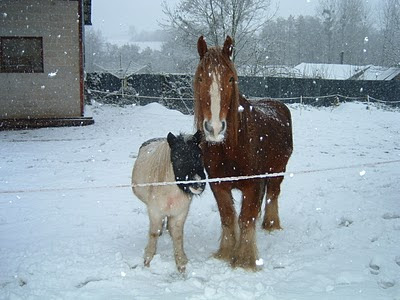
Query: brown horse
x: 240, y: 139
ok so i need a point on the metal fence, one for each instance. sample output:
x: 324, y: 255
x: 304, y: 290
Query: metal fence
x: 175, y: 90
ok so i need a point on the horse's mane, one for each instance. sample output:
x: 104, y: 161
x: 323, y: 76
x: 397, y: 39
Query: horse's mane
x: 214, y: 56
x: 159, y: 166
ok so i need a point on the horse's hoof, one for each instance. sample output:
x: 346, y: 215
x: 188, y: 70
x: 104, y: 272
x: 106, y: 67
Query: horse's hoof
x: 270, y: 226
x: 244, y: 263
x: 225, y: 255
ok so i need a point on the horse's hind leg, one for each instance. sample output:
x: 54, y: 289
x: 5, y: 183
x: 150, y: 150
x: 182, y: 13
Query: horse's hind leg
x: 271, y: 218
x: 154, y: 233
x: 175, y: 227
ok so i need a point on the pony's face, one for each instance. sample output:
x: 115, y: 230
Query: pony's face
x: 215, y: 87
x: 187, y: 162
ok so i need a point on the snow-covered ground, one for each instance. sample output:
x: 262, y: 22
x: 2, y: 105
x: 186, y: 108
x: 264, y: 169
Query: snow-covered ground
x: 65, y: 235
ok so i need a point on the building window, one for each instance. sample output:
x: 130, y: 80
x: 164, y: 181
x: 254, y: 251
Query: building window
x: 21, y: 55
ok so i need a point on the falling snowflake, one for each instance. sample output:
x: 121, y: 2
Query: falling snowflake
x: 53, y: 74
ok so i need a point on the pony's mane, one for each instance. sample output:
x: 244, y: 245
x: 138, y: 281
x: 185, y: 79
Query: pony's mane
x: 214, y: 56
x: 159, y: 163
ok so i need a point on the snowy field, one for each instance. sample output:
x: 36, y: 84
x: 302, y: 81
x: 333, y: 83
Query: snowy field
x: 68, y: 232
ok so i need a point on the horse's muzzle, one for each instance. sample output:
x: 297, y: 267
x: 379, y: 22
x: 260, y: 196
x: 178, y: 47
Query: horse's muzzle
x: 214, y: 131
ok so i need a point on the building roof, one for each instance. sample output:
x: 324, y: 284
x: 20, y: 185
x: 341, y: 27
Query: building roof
x: 377, y: 73
x: 342, y: 72
x: 326, y: 71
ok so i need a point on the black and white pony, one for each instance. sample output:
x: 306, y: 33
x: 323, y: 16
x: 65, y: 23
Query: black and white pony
x: 175, y: 158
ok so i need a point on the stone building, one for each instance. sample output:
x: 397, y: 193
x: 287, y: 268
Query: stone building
x: 42, y: 62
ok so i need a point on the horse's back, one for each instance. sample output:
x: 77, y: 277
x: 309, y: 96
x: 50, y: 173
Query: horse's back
x: 275, y: 110
x: 272, y: 118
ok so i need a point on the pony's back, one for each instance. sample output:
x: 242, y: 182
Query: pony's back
x: 153, y: 164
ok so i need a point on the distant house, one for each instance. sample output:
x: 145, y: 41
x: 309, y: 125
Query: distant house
x: 343, y: 72
x: 42, y: 62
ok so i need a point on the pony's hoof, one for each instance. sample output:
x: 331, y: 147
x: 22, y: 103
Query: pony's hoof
x: 147, y: 262
x: 181, y: 262
x: 182, y: 269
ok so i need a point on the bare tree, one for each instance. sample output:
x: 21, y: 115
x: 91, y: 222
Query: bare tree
x: 94, y: 43
x: 215, y: 19
x: 391, y: 32
x: 347, y: 24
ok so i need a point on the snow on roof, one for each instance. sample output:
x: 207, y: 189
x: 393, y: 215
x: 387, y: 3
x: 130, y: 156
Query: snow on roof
x: 326, y: 71
x: 378, y: 73
x: 342, y: 72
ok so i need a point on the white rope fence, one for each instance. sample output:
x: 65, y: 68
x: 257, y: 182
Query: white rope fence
x: 141, y: 96
x: 209, y: 180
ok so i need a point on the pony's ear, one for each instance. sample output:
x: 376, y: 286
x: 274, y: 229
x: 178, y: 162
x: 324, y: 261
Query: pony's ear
x: 197, y: 137
x: 228, y: 47
x: 201, y: 47
x: 171, y: 138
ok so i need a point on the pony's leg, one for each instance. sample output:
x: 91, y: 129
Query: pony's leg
x: 223, y: 196
x: 154, y: 233
x: 271, y: 218
x: 245, y: 255
x: 175, y: 226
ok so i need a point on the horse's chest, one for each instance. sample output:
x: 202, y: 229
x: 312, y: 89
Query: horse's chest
x: 233, y: 162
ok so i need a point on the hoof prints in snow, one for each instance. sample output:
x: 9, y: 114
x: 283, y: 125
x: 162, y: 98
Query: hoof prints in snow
x: 88, y: 280
x: 397, y: 260
x: 390, y: 216
x: 21, y: 282
x: 386, y: 283
x: 374, y: 267
x: 345, y: 222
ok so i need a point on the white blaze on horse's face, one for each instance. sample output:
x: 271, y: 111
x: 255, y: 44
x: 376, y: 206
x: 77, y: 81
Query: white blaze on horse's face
x: 215, y: 128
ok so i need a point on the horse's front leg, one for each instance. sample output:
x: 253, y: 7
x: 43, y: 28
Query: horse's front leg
x: 154, y: 233
x: 223, y: 196
x: 246, y: 254
x: 271, y: 218
x: 175, y: 227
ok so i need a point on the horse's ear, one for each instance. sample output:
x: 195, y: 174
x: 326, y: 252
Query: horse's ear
x: 197, y: 137
x: 228, y: 47
x: 201, y: 47
x: 171, y: 138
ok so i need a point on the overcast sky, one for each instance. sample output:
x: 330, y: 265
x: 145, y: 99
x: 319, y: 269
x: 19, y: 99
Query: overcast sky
x: 115, y: 17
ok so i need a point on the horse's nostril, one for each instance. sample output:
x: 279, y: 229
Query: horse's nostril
x: 223, y: 126
x: 208, y: 127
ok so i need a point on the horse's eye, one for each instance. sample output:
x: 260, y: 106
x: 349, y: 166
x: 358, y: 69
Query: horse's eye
x: 200, y: 79
x: 231, y: 80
